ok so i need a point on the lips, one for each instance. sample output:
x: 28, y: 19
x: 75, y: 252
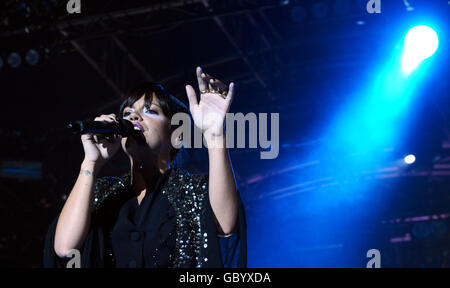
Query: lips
x: 138, y: 127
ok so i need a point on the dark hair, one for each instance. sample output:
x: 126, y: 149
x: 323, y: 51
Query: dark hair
x: 170, y: 105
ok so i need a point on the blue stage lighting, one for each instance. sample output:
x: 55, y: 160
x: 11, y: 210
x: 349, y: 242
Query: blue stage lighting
x: 420, y: 43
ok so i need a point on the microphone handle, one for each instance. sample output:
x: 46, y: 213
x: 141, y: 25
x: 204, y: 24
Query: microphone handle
x: 124, y: 127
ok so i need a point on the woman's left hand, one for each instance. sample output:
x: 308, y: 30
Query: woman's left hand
x: 215, y: 100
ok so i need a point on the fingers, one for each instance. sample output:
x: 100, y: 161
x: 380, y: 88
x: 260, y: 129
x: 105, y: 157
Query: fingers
x: 209, y: 82
x: 114, y: 138
x: 102, y: 139
x: 107, y: 118
x: 217, y: 85
x: 202, y: 83
x: 230, y: 94
x: 214, y: 85
x: 206, y: 82
x: 192, y: 96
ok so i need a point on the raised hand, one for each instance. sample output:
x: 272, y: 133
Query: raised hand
x: 215, y: 99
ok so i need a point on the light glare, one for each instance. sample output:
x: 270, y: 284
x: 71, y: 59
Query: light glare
x: 410, y: 159
x: 420, y: 43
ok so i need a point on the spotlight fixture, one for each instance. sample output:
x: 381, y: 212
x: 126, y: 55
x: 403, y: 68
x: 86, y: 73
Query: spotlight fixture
x: 410, y: 159
x: 32, y: 57
x: 14, y: 60
x: 420, y: 43
x: 421, y: 230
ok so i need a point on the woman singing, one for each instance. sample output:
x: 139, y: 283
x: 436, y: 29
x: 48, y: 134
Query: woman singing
x: 156, y: 215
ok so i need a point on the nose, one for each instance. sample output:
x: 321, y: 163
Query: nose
x: 134, y: 117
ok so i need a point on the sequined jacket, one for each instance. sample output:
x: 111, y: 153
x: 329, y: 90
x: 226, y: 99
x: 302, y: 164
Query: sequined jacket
x: 198, y: 241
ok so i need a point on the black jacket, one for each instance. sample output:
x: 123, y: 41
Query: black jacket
x: 197, y: 241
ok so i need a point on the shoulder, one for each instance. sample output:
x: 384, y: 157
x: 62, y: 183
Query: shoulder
x: 183, y: 179
x: 183, y: 186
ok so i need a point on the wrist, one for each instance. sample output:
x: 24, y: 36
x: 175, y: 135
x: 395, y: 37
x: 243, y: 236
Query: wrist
x: 89, y: 167
x: 214, y: 141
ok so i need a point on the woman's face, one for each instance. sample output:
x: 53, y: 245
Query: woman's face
x: 154, y: 135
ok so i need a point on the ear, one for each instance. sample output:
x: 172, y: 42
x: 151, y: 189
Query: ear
x: 180, y: 138
x: 177, y: 141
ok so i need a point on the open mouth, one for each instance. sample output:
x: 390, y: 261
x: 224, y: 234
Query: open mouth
x: 138, y: 127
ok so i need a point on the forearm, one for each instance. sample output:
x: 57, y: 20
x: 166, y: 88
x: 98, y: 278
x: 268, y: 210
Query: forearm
x: 74, y: 219
x: 222, y: 188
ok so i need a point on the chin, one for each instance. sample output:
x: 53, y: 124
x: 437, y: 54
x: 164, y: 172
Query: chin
x: 136, y: 146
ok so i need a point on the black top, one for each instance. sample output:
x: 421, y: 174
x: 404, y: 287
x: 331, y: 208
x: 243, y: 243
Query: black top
x: 173, y: 226
x: 144, y: 235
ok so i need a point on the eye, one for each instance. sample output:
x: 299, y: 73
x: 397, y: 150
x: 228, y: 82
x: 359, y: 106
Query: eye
x: 126, y: 114
x: 148, y: 110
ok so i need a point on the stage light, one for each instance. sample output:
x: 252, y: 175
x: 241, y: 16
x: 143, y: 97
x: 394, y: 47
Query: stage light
x: 420, y: 43
x: 410, y: 159
x: 14, y: 60
x: 439, y: 227
x: 421, y: 230
x: 32, y: 57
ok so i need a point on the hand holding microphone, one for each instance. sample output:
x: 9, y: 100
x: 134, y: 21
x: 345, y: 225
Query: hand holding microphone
x: 101, y: 137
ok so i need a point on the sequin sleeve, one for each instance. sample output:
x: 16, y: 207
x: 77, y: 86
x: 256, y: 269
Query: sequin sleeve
x: 108, y: 186
x: 233, y: 246
x: 93, y: 246
x: 203, y: 181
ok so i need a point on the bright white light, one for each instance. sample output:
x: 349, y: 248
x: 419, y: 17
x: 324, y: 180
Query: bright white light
x: 420, y: 43
x: 410, y: 159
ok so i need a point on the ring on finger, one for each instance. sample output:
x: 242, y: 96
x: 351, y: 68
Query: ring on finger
x: 222, y: 93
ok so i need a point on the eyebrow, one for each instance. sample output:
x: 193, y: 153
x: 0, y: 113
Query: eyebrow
x: 144, y: 106
x: 155, y: 104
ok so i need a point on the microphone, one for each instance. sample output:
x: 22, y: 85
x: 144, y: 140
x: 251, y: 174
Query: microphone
x: 123, y: 127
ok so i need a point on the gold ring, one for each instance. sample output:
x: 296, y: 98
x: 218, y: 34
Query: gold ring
x: 222, y: 93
